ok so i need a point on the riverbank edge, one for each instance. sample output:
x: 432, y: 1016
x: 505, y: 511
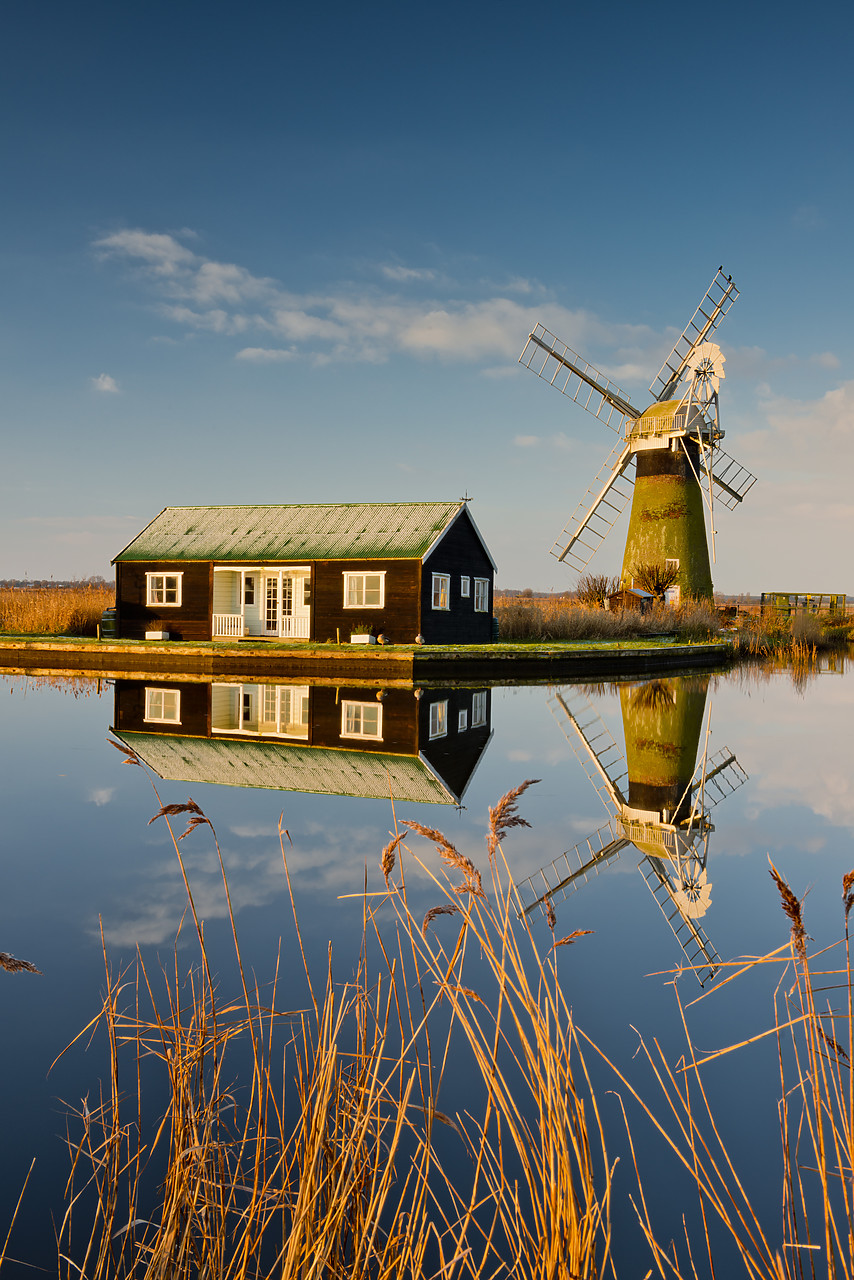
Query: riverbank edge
x: 497, y: 663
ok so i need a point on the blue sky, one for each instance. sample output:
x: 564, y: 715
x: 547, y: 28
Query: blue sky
x: 282, y: 253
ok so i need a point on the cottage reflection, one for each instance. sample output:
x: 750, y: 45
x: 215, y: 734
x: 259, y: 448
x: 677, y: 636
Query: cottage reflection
x: 417, y: 745
x: 658, y: 796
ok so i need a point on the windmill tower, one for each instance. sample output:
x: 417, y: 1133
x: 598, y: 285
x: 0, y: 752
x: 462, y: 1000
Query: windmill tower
x: 679, y: 465
x: 658, y: 797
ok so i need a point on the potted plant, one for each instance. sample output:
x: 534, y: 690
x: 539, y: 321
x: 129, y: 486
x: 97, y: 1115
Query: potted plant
x: 360, y: 633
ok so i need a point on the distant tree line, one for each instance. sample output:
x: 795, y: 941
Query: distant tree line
x: 96, y: 580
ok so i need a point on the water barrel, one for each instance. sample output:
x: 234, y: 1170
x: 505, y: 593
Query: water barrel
x: 108, y: 624
x: 495, y: 629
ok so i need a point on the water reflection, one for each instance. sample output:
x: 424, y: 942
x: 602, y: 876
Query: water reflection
x: 362, y: 741
x: 659, y: 795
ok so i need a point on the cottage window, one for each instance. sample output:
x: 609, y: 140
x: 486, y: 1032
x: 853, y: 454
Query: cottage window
x: 306, y: 591
x: 478, y: 709
x: 462, y: 722
x: 364, y: 590
x: 163, y: 588
x: 465, y: 587
x: 438, y: 719
x: 249, y: 589
x: 441, y: 591
x: 163, y: 706
x: 361, y: 720
x: 481, y: 595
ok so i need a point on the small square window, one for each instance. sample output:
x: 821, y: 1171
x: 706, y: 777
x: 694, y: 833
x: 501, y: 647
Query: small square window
x: 462, y: 722
x: 441, y: 590
x: 478, y: 709
x: 364, y: 590
x: 163, y: 588
x: 361, y: 720
x: 465, y: 587
x: 438, y: 719
x: 671, y: 564
x: 163, y: 706
x: 481, y: 595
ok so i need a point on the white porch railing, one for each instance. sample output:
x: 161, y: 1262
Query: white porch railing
x: 228, y: 624
x: 294, y: 628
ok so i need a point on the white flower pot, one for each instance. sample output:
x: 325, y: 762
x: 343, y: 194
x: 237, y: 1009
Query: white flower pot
x: 363, y: 639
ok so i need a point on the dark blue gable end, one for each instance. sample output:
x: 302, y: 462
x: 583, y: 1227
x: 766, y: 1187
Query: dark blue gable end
x: 459, y: 554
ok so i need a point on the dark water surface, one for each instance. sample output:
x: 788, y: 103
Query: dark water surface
x: 79, y: 858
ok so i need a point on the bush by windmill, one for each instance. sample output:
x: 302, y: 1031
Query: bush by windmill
x: 674, y: 444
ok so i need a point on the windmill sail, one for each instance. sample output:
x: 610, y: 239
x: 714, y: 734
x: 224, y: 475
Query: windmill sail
x: 692, y: 937
x: 599, y: 510
x: 592, y: 741
x: 731, y: 480
x: 559, y: 365
x: 719, y: 297
x: 571, y: 870
x: 723, y: 776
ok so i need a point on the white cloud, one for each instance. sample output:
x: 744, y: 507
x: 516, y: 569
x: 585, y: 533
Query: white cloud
x: 364, y: 324
x: 826, y: 359
x: 101, y: 796
x: 526, y: 442
x: 404, y: 274
x: 104, y: 382
x: 265, y: 355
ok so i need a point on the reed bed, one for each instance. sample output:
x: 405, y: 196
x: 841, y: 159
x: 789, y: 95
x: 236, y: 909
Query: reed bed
x: 331, y: 1157
x: 74, y: 610
x: 812, y: 1031
x: 562, y: 618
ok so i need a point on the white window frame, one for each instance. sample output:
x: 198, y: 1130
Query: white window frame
x: 358, y: 732
x: 162, y: 694
x: 150, y: 590
x: 465, y: 587
x: 481, y: 595
x: 440, y: 581
x: 363, y: 574
x: 439, y: 719
x: 478, y: 709
x: 462, y: 721
x: 674, y: 564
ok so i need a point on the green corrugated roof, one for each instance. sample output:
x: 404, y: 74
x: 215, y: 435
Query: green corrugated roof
x: 327, y: 531
x: 278, y: 766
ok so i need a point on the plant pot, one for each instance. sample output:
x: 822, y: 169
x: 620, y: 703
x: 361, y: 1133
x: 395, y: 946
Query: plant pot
x: 363, y: 639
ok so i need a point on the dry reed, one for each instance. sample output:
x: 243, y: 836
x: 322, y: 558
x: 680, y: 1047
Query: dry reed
x: 74, y: 610
x: 562, y: 618
x: 307, y: 1144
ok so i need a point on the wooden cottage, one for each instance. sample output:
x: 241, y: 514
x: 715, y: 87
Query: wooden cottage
x: 418, y: 745
x: 308, y: 572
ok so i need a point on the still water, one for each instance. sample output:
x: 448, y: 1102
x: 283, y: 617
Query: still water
x: 657, y: 807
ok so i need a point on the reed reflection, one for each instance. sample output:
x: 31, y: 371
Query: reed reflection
x: 420, y: 745
x: 658, y: 795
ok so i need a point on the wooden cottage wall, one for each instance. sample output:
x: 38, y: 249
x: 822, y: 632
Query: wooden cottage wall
x: 459, y: 553
x: 397, y: 620
x: 454, y: 756
x: 399, y: 720
x: 129, y: 708
x: 190, y: 620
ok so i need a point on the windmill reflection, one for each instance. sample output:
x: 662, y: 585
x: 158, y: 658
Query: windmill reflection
x: 658, y: 795
x: 421, y: 745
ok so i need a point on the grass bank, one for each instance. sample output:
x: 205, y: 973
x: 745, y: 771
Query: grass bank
x: 74, y: 610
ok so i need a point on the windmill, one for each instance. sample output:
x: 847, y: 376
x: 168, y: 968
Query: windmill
x: 679, y: 464
x: 658, y: 798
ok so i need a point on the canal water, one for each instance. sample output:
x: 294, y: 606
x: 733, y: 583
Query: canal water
x: 657, y: 806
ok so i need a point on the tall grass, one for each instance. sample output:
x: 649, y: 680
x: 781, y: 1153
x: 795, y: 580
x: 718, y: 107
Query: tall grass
x: 331, y: 1157
x: 54, y: 610
x: 561, y: 618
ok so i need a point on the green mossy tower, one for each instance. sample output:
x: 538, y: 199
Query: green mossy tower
x: 662, y: 723
x: 667, y: 521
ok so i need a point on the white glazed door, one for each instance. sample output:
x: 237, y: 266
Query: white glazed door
x: 271, y: 605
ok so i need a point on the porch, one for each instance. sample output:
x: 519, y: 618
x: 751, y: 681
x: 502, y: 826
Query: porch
x: 261, y: 602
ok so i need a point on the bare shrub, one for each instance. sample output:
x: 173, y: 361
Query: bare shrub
x: 594, y: 588
x: 655, y: 578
